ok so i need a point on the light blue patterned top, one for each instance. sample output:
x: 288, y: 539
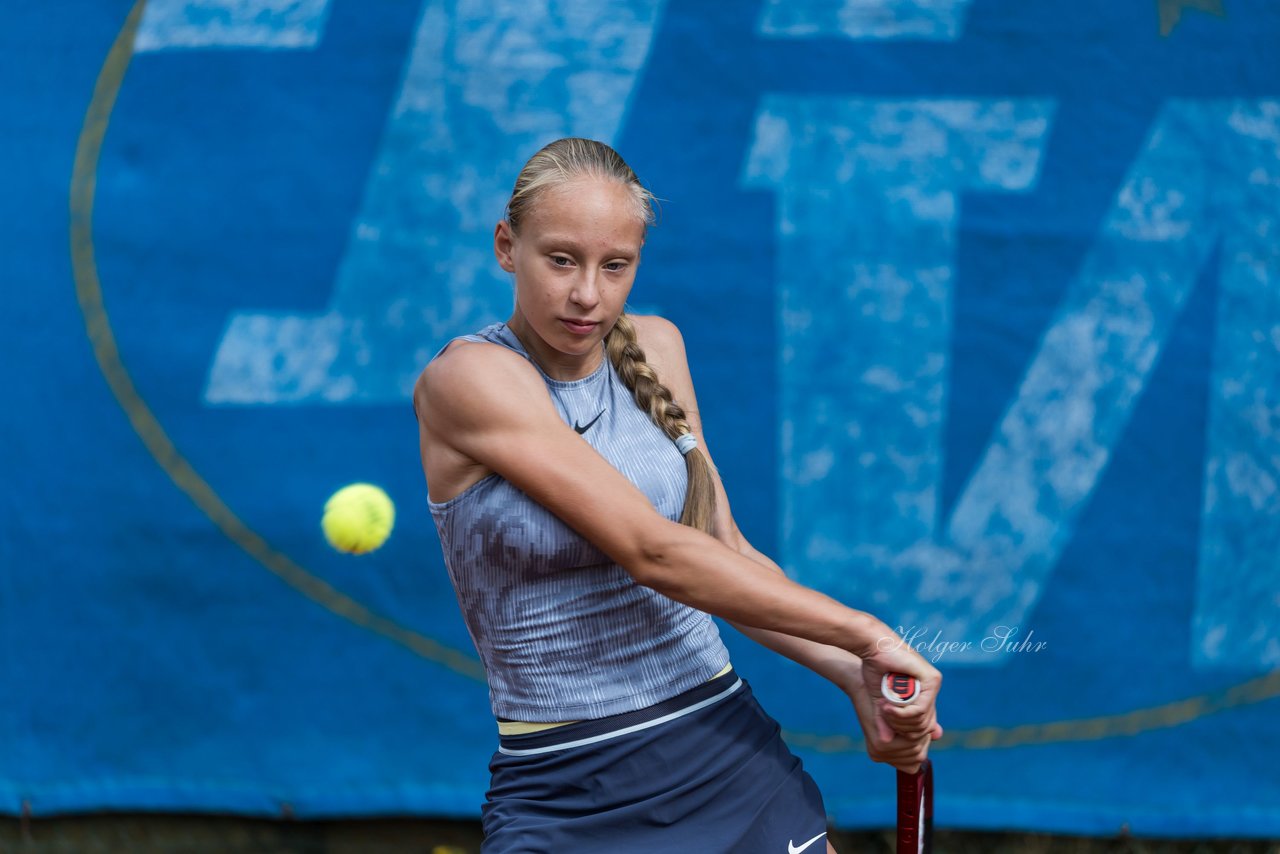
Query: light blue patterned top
x: 564, y: 632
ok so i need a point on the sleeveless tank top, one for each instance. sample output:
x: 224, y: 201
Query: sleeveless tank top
x: 564, y: 632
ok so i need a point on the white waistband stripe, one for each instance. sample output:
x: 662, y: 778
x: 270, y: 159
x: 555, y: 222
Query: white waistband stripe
x: 605, y: 736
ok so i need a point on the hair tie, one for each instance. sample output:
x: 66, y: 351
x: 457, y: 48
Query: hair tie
x: 686, y: 442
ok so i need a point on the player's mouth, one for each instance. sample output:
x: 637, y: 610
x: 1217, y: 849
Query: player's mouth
x: 579, y: 327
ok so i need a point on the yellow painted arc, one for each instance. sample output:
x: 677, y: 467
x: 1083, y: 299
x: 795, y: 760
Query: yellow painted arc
x: 186, y: 478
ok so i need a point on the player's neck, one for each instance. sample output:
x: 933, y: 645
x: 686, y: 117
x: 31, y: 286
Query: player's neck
x: 557, y: 365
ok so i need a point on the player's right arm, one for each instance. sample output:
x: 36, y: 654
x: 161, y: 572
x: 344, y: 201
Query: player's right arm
x: 483, y: 408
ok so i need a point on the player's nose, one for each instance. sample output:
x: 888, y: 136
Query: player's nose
x: 586, y: 291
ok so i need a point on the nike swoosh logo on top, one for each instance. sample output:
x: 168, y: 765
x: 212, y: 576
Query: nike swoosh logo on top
x: 791, y: 846
x: 585, y: 427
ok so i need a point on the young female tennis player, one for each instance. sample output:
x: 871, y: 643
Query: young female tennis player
x: 560, y: 448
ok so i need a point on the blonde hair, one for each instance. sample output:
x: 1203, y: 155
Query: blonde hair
x: 555, y: 165
x: 566, y: 160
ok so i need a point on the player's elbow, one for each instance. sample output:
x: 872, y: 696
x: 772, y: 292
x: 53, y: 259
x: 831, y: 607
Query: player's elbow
x: 657, y: 556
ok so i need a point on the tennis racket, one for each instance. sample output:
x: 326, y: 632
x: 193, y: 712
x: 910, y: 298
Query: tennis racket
x: 915, y: 791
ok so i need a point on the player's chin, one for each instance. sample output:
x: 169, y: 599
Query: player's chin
x: 581, y: 344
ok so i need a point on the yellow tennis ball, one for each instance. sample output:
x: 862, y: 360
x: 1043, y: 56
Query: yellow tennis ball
x: 358, y: 518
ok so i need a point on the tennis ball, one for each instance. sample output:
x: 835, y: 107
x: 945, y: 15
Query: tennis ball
x: 358, y: 518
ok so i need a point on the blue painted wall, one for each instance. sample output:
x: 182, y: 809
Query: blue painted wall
x: 982, y: 299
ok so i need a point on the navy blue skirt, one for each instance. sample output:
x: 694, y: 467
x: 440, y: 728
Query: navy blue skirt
x: 706, y: 771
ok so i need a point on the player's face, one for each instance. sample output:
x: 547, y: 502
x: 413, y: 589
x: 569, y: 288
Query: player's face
x: 574, y: 261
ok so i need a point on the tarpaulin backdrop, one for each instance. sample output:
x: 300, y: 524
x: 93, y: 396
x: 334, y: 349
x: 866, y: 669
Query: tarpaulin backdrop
x: 982, y: 299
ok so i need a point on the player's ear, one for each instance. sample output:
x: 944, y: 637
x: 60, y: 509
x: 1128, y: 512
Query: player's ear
x: 504, y: 245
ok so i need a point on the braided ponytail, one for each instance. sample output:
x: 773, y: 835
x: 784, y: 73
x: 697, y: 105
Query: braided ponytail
x: 655, y: 398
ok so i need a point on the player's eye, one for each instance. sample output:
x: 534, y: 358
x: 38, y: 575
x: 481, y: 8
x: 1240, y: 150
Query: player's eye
x: 561, y: 260
x: 616, y: 266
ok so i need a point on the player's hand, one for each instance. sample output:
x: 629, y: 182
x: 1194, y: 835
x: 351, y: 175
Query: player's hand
x: 901, y: 734
x: 883, y: 744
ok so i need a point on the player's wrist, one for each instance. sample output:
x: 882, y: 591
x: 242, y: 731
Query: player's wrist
x: 849, y: 679
x: 872, y: 637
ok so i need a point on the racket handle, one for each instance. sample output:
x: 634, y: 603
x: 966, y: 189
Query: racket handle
x: 915, y: 791
x: 915, y: 811
x: 899, y: 688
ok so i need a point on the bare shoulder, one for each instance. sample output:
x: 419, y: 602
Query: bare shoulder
x: 469, y: 399
x: 661, y: 340
x: 471, y: 376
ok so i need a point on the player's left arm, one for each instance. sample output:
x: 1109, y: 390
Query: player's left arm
x: 664, y: 350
